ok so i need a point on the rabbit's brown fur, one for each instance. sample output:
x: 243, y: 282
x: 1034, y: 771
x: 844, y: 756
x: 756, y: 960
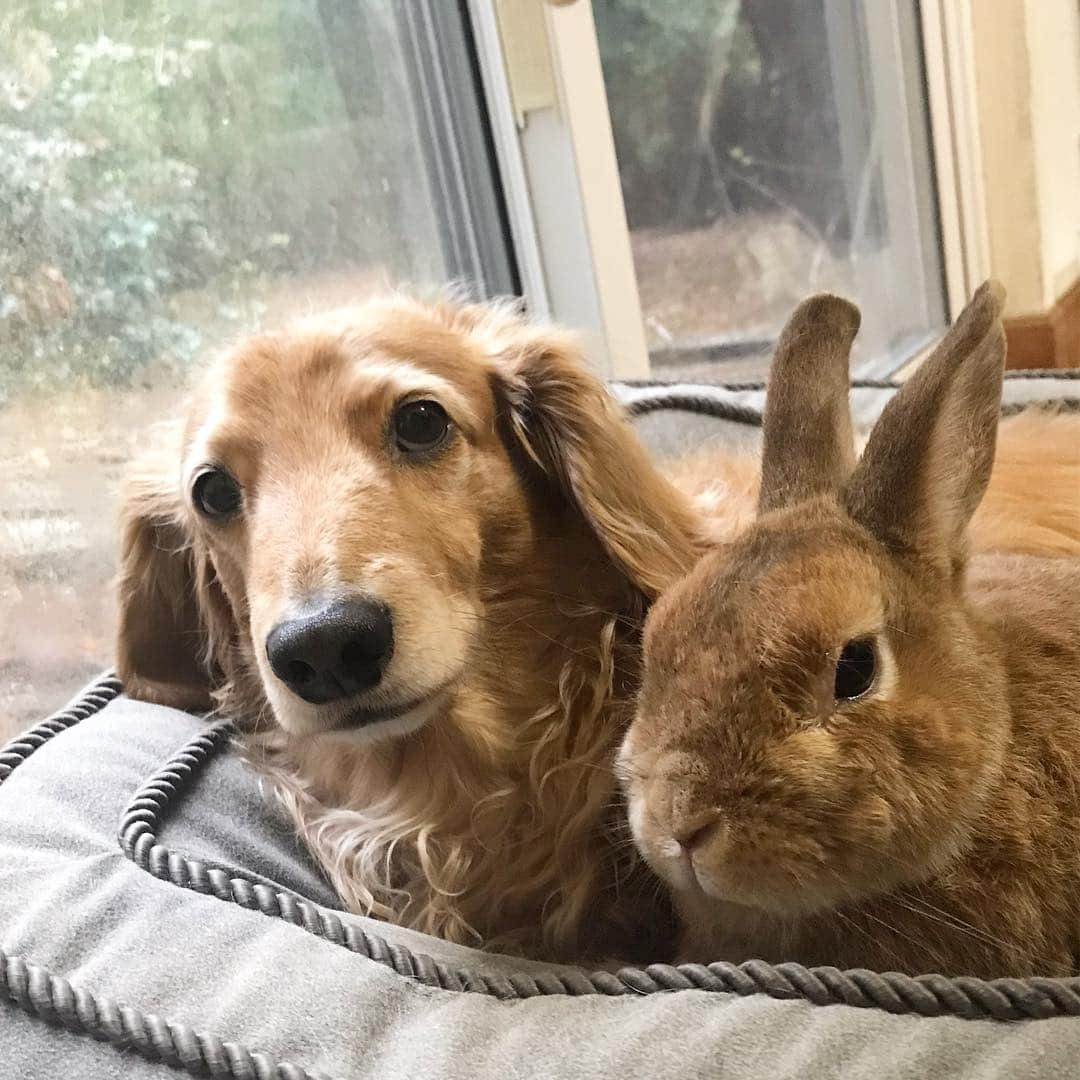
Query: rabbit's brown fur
x: 932, y: 823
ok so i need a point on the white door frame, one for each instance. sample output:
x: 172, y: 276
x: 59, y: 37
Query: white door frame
x: 954, y: 127
x: 552, y: 133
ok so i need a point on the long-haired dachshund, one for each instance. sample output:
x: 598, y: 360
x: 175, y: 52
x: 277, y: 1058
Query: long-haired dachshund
x: 408, y: 548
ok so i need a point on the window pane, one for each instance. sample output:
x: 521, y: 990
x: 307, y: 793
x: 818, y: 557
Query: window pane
x: 768, y: 150
x: 172, y: 174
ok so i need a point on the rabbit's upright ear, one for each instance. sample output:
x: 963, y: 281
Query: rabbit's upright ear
x: 809, y: 446
x: 928, y: 459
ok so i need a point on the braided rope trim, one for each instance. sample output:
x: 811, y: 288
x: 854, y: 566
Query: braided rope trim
x: 85, y: 703
x: 57, y: 1002
x: 50, y: 998
x: 922, y: 995
x: 1015, y: 375
x: 88, y: 701
x: 737, y: 413
x: 695, y: 403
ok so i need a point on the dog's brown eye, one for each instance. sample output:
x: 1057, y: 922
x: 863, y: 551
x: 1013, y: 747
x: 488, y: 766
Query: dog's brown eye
x: 855, y: 669
x: 216, y: 494
x: 420, y: 425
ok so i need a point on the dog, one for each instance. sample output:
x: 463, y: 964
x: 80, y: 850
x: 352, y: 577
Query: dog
x: 408, y: 548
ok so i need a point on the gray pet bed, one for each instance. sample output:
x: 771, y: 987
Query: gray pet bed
x: 158, y: 918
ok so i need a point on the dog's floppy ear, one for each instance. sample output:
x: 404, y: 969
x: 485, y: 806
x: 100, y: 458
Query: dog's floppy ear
x: 572, y: 428
x: 928, y: 460
x: 809, y: 446
x: 166, y: 592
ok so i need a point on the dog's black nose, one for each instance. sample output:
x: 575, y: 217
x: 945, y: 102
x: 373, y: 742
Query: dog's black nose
x: 333, y: 650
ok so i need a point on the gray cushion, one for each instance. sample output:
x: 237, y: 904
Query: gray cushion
x: 75, y: 905
x: 674, y: 418
x: 157, y: 917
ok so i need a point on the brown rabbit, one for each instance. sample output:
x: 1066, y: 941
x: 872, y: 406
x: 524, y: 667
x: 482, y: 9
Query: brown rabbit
x: 853, y: 747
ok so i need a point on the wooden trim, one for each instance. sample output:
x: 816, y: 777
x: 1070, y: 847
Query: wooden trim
x: 505, y: 133
x: 564, y: 190
x: 583, y: 106
x: 1065, y: 320
x: 1049, y: 339
x: 1030, y: 341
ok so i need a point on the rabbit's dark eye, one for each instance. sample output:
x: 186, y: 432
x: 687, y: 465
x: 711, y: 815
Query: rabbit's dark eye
x: 855, y: 669
x: 216, y: 494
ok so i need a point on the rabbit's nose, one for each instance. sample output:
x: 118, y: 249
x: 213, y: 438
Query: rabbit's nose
x: 698, y: 829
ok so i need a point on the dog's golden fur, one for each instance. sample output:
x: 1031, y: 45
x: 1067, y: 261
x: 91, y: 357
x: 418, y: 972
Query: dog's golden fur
x: 518, y: 563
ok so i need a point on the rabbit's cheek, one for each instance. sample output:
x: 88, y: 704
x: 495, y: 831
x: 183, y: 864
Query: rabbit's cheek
x: 876, y: 822
x: 634, y: 761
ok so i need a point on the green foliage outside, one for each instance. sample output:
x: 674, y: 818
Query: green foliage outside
x: 152, y: 148
x: 723, y: 106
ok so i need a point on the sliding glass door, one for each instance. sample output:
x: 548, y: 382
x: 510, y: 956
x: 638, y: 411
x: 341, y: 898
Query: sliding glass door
x: 768, y: 150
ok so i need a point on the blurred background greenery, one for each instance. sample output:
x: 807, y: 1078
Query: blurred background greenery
x: 173, y: 174
x: 155, y: 150
x: 733, y: 110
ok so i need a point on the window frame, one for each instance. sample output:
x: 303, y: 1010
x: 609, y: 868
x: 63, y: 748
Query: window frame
x: 948, y: 46
x: 450, y: 107
x: 552, y: 132
x: 549, y: 115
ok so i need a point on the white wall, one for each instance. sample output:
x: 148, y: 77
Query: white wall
x: 1027, y: 70
x: 1053, y: 34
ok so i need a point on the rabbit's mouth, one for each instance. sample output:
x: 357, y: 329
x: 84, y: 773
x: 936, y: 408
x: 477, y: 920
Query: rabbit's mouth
x: 770, y: 891
x: 704, y: 863
x: 783, y: 888
x: 721, y: 855
x: 715, y: 864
